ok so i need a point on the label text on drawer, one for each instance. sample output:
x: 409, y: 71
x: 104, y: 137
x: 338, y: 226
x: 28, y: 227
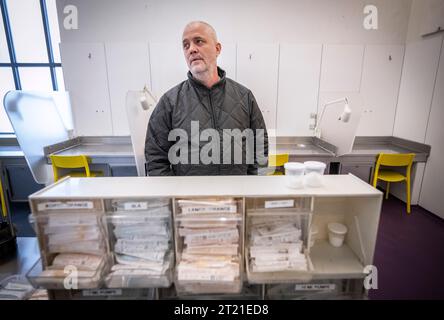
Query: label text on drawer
x: 133, y: 206
x: 279, y: 204
x: 315, y: 287
x: 65, y: 205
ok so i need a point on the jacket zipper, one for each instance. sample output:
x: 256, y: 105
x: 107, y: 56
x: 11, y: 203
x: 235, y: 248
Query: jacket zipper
x: 213, y: 118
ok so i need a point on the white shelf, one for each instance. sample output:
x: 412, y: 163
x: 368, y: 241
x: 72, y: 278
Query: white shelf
x: 335, y: 263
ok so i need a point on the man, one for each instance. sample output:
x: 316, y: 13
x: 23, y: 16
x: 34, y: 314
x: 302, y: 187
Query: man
x: 206, y: 112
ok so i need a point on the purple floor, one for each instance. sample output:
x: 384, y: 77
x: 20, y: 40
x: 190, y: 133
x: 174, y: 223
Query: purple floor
x: 409, y: 253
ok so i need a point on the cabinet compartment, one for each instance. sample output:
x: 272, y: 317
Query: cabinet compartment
x: 73, y: 244
x: 209, y: 245
x: 277, y: 237
x: 140, y: 238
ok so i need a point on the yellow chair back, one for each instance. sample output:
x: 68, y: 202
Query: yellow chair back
x: 387, y: 175
x: 395, y: 160
x: 278, y: 160
x: 69, y: 162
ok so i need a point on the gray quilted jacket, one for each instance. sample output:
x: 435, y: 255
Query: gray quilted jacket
x: 227, y: 105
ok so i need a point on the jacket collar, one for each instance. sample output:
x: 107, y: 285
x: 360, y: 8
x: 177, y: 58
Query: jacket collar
x: 199, y: 85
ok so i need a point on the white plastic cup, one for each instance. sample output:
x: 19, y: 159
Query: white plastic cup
x: 314, y: 170
x: 336, y: 234
x: 294, y: 174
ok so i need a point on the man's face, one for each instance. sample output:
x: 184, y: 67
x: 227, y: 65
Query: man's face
x: 200, y: 48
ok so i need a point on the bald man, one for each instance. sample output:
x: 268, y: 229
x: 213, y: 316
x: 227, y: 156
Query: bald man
x: 208, y: 124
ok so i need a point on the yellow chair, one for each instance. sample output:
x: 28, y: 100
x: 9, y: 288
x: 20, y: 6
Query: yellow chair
x: 277, y: 160
x: 394, y: 160
x: 72, y: 162
x: 3, y: 201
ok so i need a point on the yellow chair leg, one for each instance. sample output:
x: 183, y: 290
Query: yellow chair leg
x: 387, y: 191
x: 408, y: 194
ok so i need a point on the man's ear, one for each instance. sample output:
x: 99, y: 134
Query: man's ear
x: 218, y: 48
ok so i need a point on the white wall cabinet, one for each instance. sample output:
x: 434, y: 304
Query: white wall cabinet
x: 168, y: 67
x: 84, y: 66
x: 341, y: 68
x: 298, y: 88
x: 433, y: 182
x: 227, y: 59
x: 128, y: 69
x: 257, y: 69
x: 417, y: 83
x: 381, y: 76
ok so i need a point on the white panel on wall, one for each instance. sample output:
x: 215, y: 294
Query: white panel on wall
x: 227, y: 59
x: 299, y: 72
x: 84, y: 67
x: 257, y: 69
x: 381, y: 76
x: 168, y: 67
x: 415, y: 95
x: 433, y: 183
x: 341, y: 68
x: 128, y: 69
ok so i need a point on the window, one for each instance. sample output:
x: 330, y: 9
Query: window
x: 29, y: 49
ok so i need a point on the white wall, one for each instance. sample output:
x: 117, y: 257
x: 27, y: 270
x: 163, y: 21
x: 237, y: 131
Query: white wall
x: 302, y: 21
x: 244, y: 27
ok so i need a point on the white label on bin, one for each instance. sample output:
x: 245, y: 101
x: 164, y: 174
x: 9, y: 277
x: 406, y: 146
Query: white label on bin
x: 210, y: 209
x: 102, y: 292
x: 315, y: 287
x: 279, y: 204
x: 133, y: 206
x: 65, y: 205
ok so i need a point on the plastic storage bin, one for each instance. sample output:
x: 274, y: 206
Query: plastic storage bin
x: 15, y: 287
x: 73, y: 245
x: 140, y: 234
x: 277, y: 239
x: 209, y: 245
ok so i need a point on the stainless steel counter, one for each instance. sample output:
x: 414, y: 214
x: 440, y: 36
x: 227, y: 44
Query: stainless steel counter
x: 108, y: 150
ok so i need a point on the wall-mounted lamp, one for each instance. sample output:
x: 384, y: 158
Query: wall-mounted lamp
x: 344, y: 117
x: 147, y: 99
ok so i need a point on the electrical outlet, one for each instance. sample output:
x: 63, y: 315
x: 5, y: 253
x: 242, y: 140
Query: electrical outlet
x: 312, y: 127
x: 313, y: 115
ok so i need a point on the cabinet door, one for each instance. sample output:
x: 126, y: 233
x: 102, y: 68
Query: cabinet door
x: 168, y: 67
x: 381, y: 76
x: 128, y: 69
x: 362, y: 171
x: 86, y: 79
x: 299, y: 71
x: 20, y: 181
x: 433, y: 182
x: 415, y: 93
x: 341, y: 68
x: 227, y: 60
x: 257, y: 69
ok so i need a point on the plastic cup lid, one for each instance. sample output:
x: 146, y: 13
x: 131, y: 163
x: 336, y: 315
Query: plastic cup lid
x: 315, y: 164
x: 294, y: 166
x: 337, y: 228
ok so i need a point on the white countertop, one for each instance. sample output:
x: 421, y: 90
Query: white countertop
x: 142, y: 187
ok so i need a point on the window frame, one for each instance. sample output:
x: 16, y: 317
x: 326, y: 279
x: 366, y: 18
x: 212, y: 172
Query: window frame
x: 13, y: 64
